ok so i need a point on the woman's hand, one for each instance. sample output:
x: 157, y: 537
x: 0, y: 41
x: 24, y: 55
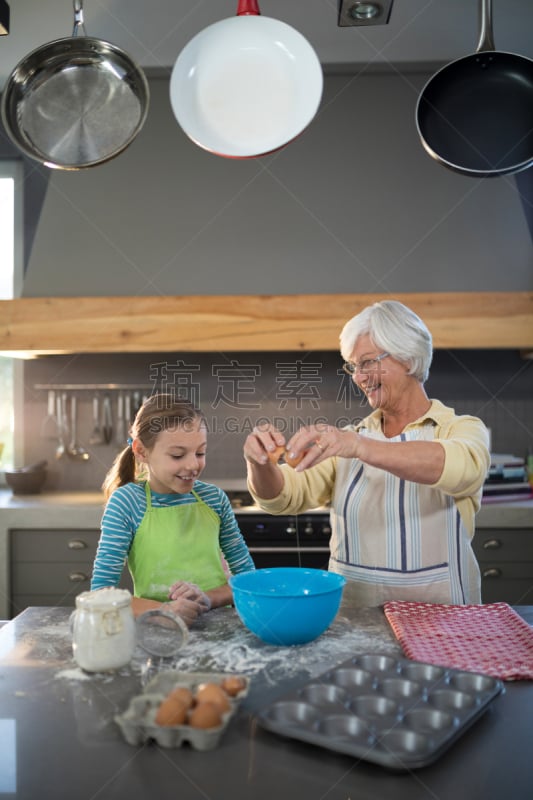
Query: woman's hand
x: 262, y: 443
x: 260, y: 452
x: 318, y: 442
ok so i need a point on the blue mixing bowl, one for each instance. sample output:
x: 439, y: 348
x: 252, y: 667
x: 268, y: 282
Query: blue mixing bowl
x: 287, y: 605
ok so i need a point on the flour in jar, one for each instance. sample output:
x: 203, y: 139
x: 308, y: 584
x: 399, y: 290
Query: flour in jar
x: 103, y: 629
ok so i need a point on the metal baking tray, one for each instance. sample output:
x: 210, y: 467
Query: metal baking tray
x: 395, y: 712
x: 137, y: 723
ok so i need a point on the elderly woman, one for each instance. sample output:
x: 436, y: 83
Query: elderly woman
x: 404, y: 484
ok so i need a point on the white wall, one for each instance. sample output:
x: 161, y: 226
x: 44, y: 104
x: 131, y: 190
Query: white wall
x: 354, y: 205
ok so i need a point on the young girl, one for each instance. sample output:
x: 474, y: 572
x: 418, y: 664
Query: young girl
x: 172, y: 528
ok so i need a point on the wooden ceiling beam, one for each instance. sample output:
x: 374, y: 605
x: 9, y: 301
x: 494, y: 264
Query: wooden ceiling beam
x: 42, y: 325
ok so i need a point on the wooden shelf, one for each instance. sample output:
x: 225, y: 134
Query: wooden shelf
x: 43, y: 325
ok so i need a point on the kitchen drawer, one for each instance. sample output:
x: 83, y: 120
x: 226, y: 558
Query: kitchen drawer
x: 37, y: 584
x: 516, y: 592
x: 23, y: 601
x: 493, y: 544
x: 45, y: 545
x: 51, y: 567
x: 58, y: 579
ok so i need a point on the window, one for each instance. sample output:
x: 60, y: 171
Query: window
x: 11, y: 237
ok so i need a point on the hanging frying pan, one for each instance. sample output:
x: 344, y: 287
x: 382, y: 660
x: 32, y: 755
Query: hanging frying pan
x: 75, y: 102
x: 475, y: 115
x: 246, y: 86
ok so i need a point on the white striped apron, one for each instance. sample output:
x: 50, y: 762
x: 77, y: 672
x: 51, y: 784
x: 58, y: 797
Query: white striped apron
x: 397, y: 540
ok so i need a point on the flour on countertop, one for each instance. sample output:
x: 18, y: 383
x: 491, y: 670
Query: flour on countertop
x: 238, y: 650
x: 220, y: 643
x: 75, y: 674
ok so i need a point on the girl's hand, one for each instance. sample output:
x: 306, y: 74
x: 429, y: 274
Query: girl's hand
x: 181, y: 590
x: 261, y: 444
x: 188, y: 610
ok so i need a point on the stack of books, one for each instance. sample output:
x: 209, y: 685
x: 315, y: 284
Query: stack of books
x: 507, y: 480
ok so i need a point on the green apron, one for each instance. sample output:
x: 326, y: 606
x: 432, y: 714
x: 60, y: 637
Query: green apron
x: 176, y: 543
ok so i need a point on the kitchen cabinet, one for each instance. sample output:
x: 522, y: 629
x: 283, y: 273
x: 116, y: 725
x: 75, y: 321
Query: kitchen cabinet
x: 48, y: 541
x: 505, y: 559
x: 50, y: 567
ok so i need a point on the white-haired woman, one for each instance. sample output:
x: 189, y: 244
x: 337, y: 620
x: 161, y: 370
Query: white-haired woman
x: 404, y: 484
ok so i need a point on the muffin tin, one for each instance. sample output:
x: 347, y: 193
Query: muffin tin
x: 137, y: 722
x: 395, y: 712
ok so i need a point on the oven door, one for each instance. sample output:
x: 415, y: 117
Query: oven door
x: 315, y: 558
x: 286, y: 541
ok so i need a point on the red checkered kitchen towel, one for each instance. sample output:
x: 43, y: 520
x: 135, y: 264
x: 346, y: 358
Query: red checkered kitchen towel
x: 491, y: 639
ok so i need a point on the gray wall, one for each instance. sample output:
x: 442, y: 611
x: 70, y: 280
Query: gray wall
x: 235, y: 390
x: 354, y: 205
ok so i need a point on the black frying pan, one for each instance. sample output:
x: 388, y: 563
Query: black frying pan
x: 475, y: 115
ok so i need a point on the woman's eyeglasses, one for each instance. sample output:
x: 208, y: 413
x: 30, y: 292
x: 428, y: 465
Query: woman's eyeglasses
x: 367, y: 365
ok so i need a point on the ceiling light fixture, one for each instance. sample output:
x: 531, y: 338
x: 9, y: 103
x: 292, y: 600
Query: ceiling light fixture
x: 4, y: 18
x: 359, y: 13
x: 365, y: 10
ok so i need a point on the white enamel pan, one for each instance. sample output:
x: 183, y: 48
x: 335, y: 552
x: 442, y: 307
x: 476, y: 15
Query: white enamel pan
x: 246, y: 86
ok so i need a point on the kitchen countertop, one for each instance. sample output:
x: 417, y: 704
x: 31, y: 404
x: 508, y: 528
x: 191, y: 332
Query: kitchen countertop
x: 59, y: 738
x: 83, y: 511
x: 65, y: 506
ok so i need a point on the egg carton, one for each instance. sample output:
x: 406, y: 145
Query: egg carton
x: 395, y: 712
x: 138, y: 725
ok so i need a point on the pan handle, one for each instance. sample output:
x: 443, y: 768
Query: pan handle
x: 250, y: 7
x: 486, y: 36
x: 79, y: 24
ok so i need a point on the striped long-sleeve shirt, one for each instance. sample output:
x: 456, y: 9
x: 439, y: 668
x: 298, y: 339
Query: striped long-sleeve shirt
x: 125, y: 510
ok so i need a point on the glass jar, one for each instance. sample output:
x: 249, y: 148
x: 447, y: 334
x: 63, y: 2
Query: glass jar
x: 103, y: 630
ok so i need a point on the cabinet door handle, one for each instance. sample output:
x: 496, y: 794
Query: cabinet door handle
x: 77, y: 544
x: 492, y: 544
x: 78, y: 577
x: 492, y: 572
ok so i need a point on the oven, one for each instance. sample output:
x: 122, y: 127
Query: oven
x: 283, y: 541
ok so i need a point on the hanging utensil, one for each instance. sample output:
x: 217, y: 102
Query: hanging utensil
x: 247, y: 85
x: 61, y: 448
x: 120, y: 428
x: 107, y: 419
x: 75, y: 450
x: 97, y: 435
x: 75, y: 102
x: 49, y: 429
x: 475, y: 116
x: 127, y: 409
x: 137, y: 402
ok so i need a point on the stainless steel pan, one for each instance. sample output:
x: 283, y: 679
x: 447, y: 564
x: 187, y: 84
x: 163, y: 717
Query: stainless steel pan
x: 75, y: 102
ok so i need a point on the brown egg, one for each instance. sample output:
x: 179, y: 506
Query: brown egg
x: 212, y: 693
x: 205, y: 715
x: 276, y: 454
x: 172, y: 711
x: 293, y: 462
x: 233, y: 685
x: 184, y: 695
